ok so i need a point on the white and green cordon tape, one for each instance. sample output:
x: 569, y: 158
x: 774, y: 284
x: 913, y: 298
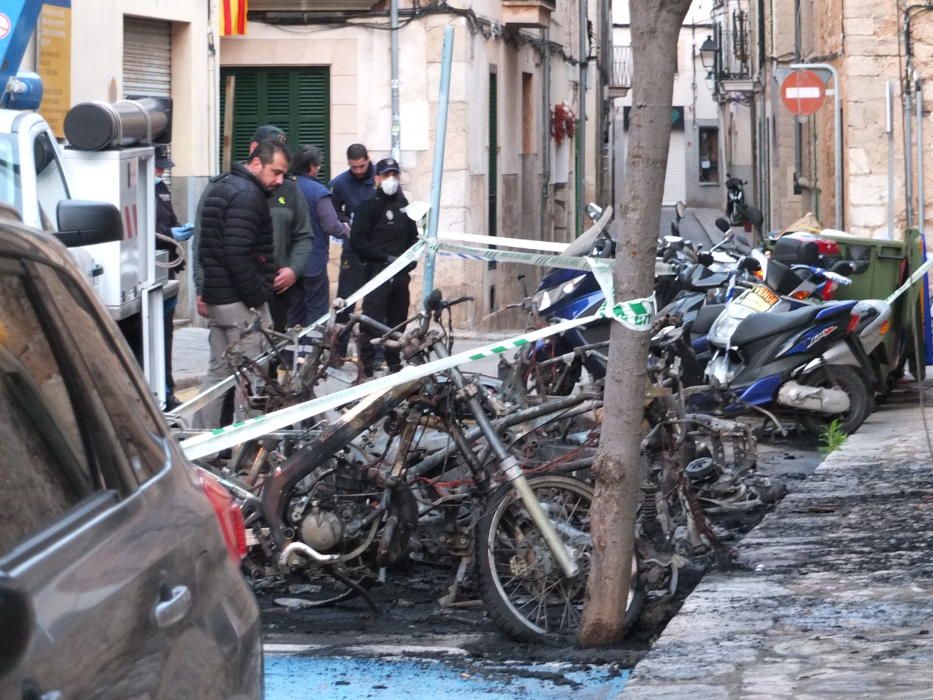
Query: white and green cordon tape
x: 635, y: 314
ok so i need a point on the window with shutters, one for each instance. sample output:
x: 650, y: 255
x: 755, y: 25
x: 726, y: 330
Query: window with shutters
x: 296, y: 100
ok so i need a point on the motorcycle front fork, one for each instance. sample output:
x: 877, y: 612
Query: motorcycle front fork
x: 516, y: 477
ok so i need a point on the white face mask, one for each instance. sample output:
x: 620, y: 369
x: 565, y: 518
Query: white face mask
x: 389, y: 186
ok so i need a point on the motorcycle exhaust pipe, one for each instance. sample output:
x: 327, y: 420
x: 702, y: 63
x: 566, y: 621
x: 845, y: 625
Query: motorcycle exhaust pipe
x: 305, y: 550
x: 813, y: 398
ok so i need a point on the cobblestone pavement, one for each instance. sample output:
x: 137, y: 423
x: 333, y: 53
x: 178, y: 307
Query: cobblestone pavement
x: 832, y: 598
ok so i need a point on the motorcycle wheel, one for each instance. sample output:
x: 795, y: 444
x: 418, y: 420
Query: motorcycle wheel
x: 520, y: 584
x: 860, y: 399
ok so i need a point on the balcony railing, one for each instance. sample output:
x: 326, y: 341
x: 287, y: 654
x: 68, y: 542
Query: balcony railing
x: 733, y: 41
x: 621, y: 68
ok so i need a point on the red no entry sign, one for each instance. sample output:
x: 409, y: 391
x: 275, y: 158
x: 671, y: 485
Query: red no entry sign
x: 803, y: 92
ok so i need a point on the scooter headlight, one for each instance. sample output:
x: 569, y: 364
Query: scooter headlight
x: 723, y: 327
x: 546, y: 298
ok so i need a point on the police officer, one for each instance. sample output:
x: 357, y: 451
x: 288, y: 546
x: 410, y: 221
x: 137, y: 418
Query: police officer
x: 381, y: 231
x: 354, y: 185
x: 167, y: 225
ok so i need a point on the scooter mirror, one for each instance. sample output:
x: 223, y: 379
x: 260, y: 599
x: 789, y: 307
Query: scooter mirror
x: 723, y: 225
x: 749, y: 265
x: 843, y: 267
x: 594, y: 211
x: 680, y: 209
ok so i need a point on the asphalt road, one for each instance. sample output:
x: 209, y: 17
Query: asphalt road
x: 415, y: 648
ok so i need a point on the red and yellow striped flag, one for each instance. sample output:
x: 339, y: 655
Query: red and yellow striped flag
x: 232, y: 17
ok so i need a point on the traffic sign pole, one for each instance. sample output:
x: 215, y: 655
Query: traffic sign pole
x: 837, y: 124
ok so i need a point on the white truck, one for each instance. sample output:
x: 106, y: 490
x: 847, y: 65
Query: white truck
x: 97, y: 192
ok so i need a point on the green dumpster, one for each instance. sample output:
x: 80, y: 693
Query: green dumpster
x: 890, y: 264
x: 886, y: 260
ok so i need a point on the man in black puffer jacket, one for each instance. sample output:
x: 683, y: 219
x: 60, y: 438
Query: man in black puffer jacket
x: 235, y: 251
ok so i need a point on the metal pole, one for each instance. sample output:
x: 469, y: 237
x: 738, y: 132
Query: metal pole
x: 837, y: 124
x: 581, y: 128
x: 545, y: 128
x: 889, y: 130
x: 396, y: 119
x: 440, y: 138
x: 918, y: 94
x: 908, y: 155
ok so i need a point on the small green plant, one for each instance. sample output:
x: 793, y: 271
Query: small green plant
x: 832, y: 437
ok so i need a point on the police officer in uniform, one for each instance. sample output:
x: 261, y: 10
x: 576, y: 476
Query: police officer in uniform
x: 381, y: 231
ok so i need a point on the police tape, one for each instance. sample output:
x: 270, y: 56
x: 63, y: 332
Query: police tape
x: 503, y: 241
x: 220, y: 388
x: 914, y: 278
x: 409, y: 256
x: 636, y: 314
x: 601, y: 268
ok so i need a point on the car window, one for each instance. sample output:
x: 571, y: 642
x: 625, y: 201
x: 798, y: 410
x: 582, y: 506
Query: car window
x: 114, y: 377
x: 50, y: 180
x: 44, y: 467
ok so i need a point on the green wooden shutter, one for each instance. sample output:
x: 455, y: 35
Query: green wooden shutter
x: 294, y: 99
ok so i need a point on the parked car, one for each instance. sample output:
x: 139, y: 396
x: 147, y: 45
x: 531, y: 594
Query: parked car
x: 119, y: 561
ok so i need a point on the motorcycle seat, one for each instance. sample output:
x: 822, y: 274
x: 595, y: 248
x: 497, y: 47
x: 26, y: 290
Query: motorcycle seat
x: 758, y: 326
x: 705, y: 318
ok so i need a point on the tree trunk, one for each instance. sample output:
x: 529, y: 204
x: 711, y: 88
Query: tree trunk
x: 655, y: 27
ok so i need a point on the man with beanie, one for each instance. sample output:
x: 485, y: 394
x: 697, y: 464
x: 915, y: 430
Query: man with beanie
x: 315, y: 286
x: 381, y: 231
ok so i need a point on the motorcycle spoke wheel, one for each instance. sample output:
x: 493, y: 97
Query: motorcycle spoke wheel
x: 521, y: 584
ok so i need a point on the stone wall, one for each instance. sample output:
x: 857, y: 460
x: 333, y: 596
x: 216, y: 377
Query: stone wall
x: 861, y: 39
x: 358, y: 60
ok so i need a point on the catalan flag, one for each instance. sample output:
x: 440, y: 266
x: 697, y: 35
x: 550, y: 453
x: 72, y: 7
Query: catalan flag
x: 232, y: 17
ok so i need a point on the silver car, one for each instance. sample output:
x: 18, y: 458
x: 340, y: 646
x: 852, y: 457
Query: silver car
x: 119, y: 561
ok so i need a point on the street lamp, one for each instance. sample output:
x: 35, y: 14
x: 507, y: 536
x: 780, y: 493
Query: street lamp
x: 708, y: 51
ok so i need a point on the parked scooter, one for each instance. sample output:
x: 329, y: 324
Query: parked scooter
x: 567, y: 294
x: 738, y: 211
x: 776, y: 360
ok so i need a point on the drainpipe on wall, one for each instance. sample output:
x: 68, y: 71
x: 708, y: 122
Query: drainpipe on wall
x: 545, y: 126
x: 889, y: 130
x: 396, y: 118
x: 764, y: 140
x: 918, y: 91
x: 581, y: 129
x: 908, y: 155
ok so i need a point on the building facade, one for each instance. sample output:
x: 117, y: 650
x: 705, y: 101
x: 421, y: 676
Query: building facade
x: 698, y: 143
x: 861, y: 168
x: 108, y: 50
x: 323, y: 70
